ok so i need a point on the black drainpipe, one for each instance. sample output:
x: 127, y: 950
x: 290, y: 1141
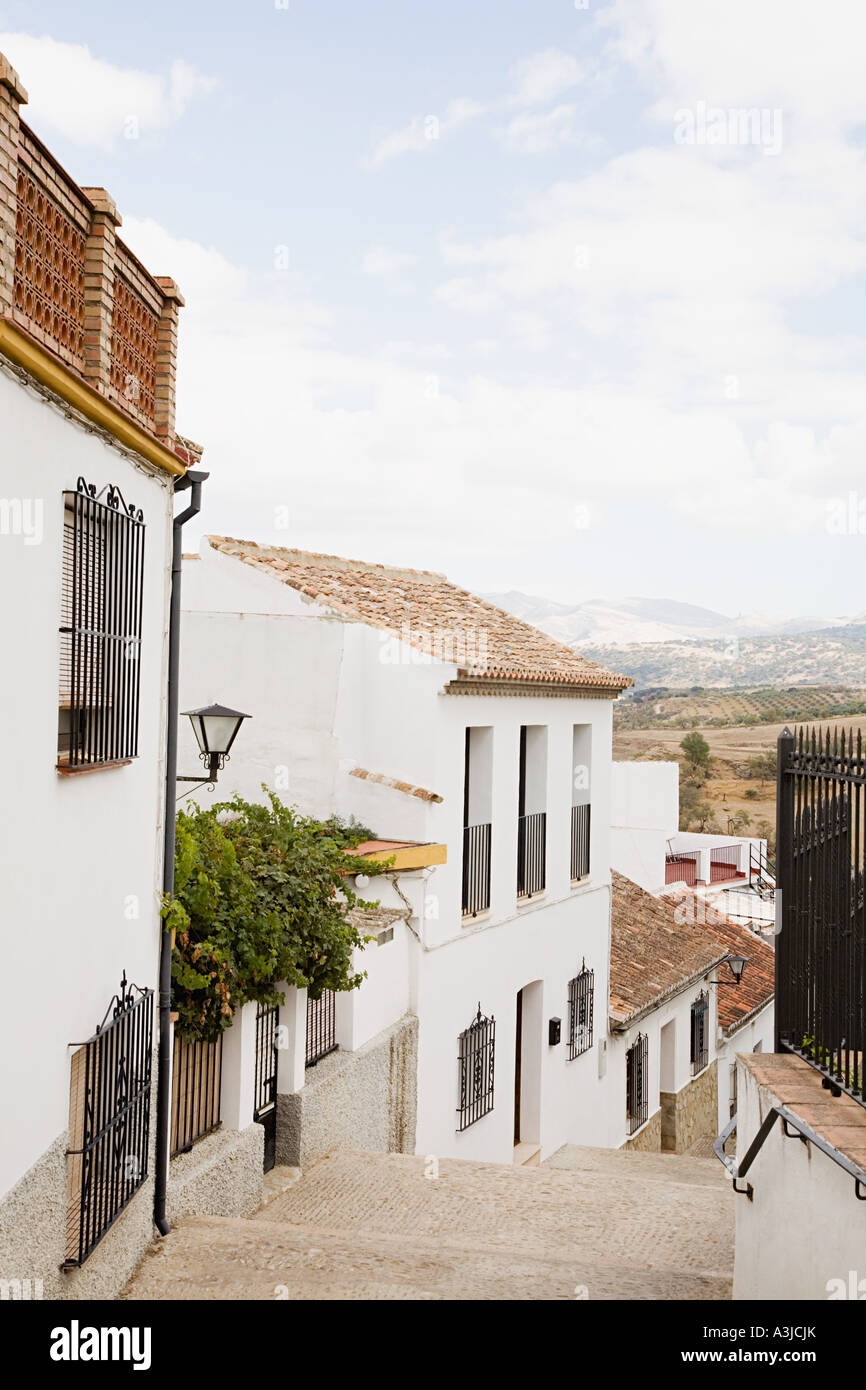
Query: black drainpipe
x: 192, y: 480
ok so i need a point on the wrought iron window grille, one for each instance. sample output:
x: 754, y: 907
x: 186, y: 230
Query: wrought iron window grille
x: 100, y: 627
x: 475, y: 1070
x: 581, y: 992
x: 637, y: 1084
x: 699, y: 1051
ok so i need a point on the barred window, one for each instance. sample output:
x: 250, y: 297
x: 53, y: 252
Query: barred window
x: 100, y: 628
x: 636, y: 1084
x: 475, y: 1070
x: 580, y: 1012
x: 700, y: 1041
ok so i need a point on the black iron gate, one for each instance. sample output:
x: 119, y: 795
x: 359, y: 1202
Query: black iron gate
x: 265, y: 1113
x: 821, y: 943
x: 109, y: 1120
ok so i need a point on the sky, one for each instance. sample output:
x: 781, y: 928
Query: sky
x: 552, y: 296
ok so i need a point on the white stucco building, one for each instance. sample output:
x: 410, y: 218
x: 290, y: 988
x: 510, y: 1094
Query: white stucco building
x: 480, y: 749
x: 89, y: 460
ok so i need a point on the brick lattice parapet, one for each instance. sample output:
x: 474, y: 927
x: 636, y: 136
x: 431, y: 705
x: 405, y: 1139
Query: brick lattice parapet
x: 70, y: 283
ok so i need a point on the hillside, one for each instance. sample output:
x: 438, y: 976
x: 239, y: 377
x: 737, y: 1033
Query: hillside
x: 829, y: 657
x: 656, y: 708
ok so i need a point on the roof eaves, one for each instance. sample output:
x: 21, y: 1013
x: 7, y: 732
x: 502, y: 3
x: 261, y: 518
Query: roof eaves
x: 680, y: 987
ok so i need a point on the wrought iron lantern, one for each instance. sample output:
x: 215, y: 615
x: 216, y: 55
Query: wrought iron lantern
x: 215, y: 728
x: 736, y: 965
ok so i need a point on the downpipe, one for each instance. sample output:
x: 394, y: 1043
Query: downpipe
x: 192, y: 480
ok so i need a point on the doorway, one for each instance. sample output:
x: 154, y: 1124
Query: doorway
x: 527, y: 1072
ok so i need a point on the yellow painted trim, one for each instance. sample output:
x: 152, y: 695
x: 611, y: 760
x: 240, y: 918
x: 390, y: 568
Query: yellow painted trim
x: 409, y: 856
x: 20, y: 348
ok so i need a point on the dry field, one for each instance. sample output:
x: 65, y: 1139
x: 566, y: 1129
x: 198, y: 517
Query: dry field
x: 730, y: 750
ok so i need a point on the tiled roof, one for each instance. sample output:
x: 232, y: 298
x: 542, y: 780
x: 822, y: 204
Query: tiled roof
x: 652, y: 955
x: 373, y: 920
x: 757, y: 985
x: 394, y: 783
x: 429, y: 613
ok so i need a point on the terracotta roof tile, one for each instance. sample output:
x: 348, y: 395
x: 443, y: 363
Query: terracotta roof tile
x: 408, y: 788
x: 429, y: 613
x: 653, y: 954
x: 758, y: 983
x: 371, y: 920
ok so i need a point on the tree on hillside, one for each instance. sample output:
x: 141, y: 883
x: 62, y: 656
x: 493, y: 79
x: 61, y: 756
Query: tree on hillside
x: 695, y: 814
x: 763, y: 765
x: 697, y: 754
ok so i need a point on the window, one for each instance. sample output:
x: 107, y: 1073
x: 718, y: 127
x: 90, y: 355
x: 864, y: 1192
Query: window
x: 700, y: 1041
x: 531, y: 815
x: 580, y: 811
x: 477, y: 816
x: 100, y: 628
x: 475, y: 1070
x: 580, y: 1009
x: 109, y: 1120
x: 636, y: 1084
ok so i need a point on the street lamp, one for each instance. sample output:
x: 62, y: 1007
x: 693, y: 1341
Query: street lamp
x: 736, y: 965
x: 215, y: 728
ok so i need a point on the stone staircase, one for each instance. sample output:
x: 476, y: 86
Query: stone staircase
x: 588, y: 1223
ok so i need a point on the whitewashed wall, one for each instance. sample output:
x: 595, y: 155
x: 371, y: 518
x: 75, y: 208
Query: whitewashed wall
x: 330, y: 695
x: 802, y: 1236
x: 755, y: 1036
x: 678, y: 1011
x: 80, y: 858
x: 644, y: 815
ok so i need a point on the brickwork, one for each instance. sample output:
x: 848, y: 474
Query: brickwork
x: 12, y: 94
x: 70, y: 283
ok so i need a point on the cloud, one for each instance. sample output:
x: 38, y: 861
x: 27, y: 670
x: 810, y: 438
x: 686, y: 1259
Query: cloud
x: 467, y: 296
x: 391, y: 457
x: 535, y: 132
x: 390, y: 267
x: 423, y: 133
x: 545, y: 76
x: 95, y: 103
x: 804, y: 58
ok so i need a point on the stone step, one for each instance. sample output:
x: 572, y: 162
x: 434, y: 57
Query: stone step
x: 612, y: 1215
x: 589, y: 1224
x: 632, y: 1164
x: 230, y: 1259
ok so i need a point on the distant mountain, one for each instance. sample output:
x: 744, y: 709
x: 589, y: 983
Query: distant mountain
x: 667, y: 643
x: 831, y: 656
x: 619, y: 622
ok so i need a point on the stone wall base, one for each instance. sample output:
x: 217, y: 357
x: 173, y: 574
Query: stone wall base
x: 690, y: 1113
x: 220, y: 1176
x: 649, y: 1140
x: 354, y: 1100
x: 33, y: 1236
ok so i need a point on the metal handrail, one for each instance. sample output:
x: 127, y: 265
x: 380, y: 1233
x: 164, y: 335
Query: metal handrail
x: 803, y: 1132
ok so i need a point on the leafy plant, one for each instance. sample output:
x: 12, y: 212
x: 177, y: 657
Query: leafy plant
x: 261, y: 896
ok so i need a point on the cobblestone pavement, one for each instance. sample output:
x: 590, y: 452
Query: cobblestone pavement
x: 589, y: 1223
